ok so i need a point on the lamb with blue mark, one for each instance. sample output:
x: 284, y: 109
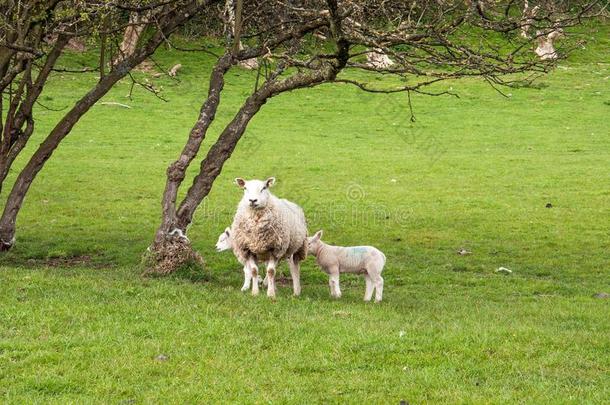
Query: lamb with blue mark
x: 334, y: 260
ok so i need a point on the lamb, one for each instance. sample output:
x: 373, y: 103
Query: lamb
x: 270, y: 229
x: 225, y: 242
x: 333, y: 260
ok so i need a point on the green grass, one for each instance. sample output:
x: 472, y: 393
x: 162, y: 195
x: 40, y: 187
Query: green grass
x: 474, y: 172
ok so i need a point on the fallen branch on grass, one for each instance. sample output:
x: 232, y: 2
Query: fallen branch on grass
x: 115, y: 103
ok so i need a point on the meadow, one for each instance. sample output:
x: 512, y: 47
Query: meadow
x: 522, y: 182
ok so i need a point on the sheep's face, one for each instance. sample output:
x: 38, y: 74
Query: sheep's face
x: 224, y: 241
x: 256, y: 192
x: 314, y: 243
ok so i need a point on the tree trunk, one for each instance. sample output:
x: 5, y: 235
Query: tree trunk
x: 14, y: 138
x: 218, y: 154
x: 7, y: 158
x: 44, y: 152
x: 64, y: 126
x: 177, y: 170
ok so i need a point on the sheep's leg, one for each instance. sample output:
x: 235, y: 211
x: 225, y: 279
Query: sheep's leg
x: 247, y: 279
x: 368, y: 293
x: 271, y: 265
x: 295, y: 273
x: 253, y: 270
x: 378, y: 289
x: 333, y: 283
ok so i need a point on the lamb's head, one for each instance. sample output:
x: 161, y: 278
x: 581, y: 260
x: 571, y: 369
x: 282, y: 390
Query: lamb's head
x: 256, y: 192
x: 224, y: 241
x: 314, y: 243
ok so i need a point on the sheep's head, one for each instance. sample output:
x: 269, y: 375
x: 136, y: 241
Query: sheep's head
x: 256, y: 192
x: 314, y: 243
x: 224, y: 241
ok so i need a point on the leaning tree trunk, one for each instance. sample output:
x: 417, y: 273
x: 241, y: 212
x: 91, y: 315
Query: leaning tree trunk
x: 48, y: 146
x: 171, y: 249
x: 64, y: 126
x: 15, y: 138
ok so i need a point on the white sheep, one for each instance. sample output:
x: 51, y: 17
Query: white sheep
x: 333, y: 260
x: 270, y: 229
x: 225, y: 242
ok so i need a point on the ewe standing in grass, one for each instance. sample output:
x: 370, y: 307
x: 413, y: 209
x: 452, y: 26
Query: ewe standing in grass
x: 267, y: 228
x: 365, y: 260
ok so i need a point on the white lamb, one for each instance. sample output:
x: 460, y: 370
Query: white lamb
x: 225, y: 242
x: 333, y: 260
x: 270, y: 229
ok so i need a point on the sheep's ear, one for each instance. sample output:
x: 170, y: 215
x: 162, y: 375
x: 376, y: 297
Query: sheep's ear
x: 227, y: 229
x: 241, y: 183
x: 317, y: 235
x: 270, y: 182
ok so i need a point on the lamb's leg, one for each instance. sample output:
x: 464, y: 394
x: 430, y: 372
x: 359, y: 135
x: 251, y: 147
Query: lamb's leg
x: 247, y: 279
x: 333, y: 282
x: 271, y: 265
x: 253, y: 270
x: 295, y: 273
x: 378, y: 289
x: 368, y: 293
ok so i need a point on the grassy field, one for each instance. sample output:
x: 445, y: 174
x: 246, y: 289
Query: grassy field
x: 79, y: 324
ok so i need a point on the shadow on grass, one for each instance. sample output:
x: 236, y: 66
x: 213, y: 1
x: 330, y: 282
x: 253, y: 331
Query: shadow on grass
x: 59, y: 260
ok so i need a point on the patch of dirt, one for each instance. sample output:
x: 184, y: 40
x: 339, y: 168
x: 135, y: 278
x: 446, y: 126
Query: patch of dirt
x: 71, y: 261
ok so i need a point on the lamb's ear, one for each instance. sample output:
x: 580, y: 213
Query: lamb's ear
x: 317, y: 235
x: 227, y: 231
x: 270, y: 182
x: 241, y: 183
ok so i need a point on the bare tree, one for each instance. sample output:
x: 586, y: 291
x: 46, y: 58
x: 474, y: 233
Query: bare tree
x: 428, y: 42
x: 26, y: 63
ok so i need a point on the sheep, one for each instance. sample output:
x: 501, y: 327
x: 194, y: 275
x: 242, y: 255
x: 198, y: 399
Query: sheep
x: 225, y: 242
x: 333, y: 260
x: 270, y: 229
